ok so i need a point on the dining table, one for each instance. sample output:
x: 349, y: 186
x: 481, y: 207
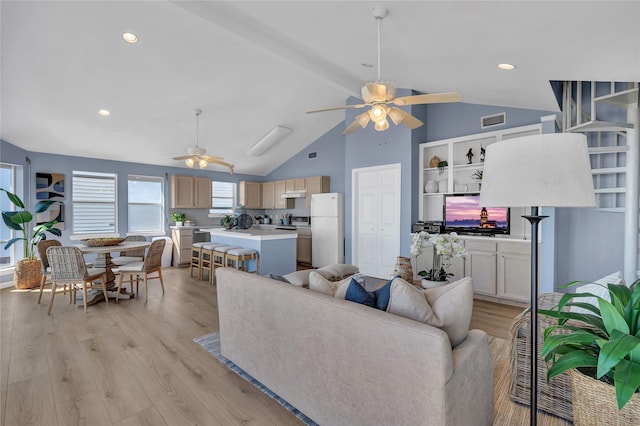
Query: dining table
x: 104, y: 260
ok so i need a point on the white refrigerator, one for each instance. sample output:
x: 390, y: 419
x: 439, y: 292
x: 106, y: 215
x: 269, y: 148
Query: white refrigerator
x: 327, y: 229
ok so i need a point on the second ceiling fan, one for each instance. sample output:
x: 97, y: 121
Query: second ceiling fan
x: 380, y: 96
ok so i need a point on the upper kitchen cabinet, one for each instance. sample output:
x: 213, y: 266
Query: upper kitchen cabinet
x: 295, y: 184
x: 190, y: 192
x: 268, y: 195
x: 316, y: 185
x: 250, y: 194
x: 280, y: 202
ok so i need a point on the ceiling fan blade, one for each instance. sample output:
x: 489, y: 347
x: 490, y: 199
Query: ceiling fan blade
x: 353, y: 126
x: 428, y: 98
x: 221, y: 163
x: 411, y: 122
x: 338, y: 107
x: 211, y: 158
x: 399, y: 116
x: 184, y: 157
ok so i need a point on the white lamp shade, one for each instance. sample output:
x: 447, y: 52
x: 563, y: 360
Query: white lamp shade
x: 551, y: 170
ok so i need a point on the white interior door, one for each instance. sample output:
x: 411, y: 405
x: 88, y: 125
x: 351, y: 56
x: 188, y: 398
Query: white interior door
x: 376, y: 219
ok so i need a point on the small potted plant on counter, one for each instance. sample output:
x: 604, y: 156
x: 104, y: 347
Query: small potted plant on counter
x: 179, y: 218
x: 258, y: 218
x: 228, y: 221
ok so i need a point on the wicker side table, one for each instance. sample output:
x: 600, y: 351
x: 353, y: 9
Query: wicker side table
x: 554, y: 397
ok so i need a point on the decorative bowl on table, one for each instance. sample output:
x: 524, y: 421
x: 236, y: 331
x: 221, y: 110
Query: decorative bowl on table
x: 102, y: 242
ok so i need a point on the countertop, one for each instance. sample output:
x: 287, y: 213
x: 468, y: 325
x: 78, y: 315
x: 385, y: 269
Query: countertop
x: 253, y: 233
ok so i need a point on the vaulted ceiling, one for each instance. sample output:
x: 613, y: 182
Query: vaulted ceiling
x: 253, y: 65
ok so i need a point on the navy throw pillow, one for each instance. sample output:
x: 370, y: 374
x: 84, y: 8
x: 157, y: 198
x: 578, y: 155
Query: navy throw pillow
x: 383, y: 294
x: 357, y: 293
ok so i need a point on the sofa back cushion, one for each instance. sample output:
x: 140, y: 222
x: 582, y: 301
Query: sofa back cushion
x: 452, y: 305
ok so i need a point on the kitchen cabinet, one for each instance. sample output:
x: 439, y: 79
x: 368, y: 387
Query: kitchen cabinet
x: 268, y: 195
x: 190, y: 192
x: 182, y: 238
x: 514, y: 268
x: 250, y: 194
x: 283, y: 203
x: 316, y: 185
x: 295, y: 184
x: 272, y: 196
x: 481, y: 266
x: 303, y: 248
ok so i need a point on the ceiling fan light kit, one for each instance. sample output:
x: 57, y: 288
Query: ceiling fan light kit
x: 197, y: 155
x: 379, y: 95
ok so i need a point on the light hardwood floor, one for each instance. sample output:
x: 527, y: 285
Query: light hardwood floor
x: 134, y: 364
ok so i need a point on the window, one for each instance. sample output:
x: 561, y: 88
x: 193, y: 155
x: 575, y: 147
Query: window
x: 223, y: 196
x: 94, y: 203
x: 8, y: 182
x: 146, y: 204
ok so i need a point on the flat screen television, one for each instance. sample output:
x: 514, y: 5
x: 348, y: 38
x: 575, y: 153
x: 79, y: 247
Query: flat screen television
x: 464, y: 214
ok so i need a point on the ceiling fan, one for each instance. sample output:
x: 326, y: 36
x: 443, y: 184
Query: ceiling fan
x: 381, y: 97
x: 198, y: 155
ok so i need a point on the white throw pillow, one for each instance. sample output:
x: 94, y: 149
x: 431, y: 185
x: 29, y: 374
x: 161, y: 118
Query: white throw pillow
x: 320, y: 284
x: 598, y: 288
x: 452, y: 305
x: 408, y: 301
x: 299, y: 278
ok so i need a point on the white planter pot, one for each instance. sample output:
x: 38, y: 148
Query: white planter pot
x: 433, y: 284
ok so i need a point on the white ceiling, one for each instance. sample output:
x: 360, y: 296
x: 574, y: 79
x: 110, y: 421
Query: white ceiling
x: 253, y: 65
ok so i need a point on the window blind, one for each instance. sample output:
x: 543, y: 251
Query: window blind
x: 94, y: 202
x: 223, y: 197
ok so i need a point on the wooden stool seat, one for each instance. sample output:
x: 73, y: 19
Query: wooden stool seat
x: 238, y: 258
x: 196, y: 250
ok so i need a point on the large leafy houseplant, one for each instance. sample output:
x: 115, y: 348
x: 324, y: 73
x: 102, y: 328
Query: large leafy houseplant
x: 20, y: 220
x: 603, y: 343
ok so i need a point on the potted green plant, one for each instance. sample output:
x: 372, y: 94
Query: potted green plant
x: 179, y: 218
x: 601, y: 349
x: 28, y: 269
x: 228, y: 221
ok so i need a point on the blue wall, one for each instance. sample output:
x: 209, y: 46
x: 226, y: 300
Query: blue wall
x: 329, y: 161
x: 41, y: 162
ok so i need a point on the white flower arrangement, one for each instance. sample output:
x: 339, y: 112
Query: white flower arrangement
x: 445, y: 247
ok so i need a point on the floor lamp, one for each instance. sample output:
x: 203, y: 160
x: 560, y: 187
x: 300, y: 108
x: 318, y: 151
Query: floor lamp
x: 551, y: 170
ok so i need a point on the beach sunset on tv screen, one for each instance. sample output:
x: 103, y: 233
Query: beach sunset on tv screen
x: 466, y: 212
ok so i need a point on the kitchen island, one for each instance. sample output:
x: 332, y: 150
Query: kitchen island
x: 276, y: 247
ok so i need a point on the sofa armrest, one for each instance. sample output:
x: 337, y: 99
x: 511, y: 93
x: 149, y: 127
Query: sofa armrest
x: 471, y: 384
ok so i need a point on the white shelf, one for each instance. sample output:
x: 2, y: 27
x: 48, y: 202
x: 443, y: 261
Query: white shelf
x: 600, y: 126
x: 620, y: 99
x: 610, y: 190
x: 608, y: 170
x: 608, y: 149
x: 468, y: 166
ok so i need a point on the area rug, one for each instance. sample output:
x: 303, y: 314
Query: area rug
x: 211, y: 343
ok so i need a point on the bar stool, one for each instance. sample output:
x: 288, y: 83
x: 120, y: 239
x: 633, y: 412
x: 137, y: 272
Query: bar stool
x: 219, y: 255
x: 206, y: 254
x: 196, y: 250
x: 238, y: 258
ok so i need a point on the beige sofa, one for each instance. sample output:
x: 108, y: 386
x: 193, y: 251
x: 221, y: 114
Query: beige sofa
x: 342, y: 363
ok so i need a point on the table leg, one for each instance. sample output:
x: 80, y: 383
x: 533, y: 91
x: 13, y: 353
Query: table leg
x: 96, y: 295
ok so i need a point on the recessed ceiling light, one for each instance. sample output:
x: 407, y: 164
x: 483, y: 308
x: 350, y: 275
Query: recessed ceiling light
x: 104, y: 112
x: 507, y: 67
x: 130, y: 38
